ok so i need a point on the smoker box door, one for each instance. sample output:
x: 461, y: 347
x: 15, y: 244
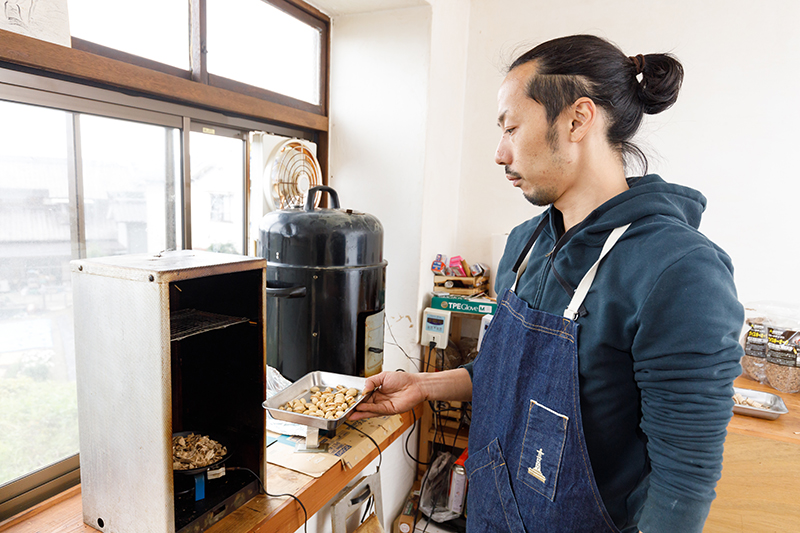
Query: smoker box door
x: 127, y: 392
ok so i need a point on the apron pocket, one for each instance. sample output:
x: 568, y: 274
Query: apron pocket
x: 490, y: 498
x: 542, y: 449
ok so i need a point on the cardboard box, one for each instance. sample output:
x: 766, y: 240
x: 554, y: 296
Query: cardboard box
x: 461, y: 304
x: 405, y: 521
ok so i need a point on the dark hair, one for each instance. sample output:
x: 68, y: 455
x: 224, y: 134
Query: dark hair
x: 572, y: 67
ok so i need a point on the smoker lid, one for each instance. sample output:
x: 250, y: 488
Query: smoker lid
x: 316, y: 237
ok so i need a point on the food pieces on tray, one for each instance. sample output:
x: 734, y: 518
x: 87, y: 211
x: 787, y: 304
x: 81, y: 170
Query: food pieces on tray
x: 740, y: 399
x: 329, y: 403
x: 195, y: 451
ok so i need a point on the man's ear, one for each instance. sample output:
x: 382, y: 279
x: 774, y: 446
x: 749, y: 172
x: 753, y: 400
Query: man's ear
x: 582, y: 114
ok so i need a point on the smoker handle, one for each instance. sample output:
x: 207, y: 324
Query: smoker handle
x: 298, y: 291
x: 312, y: 195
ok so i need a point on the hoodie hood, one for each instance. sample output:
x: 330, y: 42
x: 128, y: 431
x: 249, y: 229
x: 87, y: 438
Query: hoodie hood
x: 647, y: 196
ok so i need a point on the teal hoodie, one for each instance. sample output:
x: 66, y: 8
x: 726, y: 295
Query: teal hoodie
x: 657, y: 343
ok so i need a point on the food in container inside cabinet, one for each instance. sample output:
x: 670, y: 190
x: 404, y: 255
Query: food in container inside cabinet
x: 195, y: 451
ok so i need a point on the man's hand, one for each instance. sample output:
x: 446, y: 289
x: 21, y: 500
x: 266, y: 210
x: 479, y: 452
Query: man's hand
x: 398, y: 392
x: 389, y: 393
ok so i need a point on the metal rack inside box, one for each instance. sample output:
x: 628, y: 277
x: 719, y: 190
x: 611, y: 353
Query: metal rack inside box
x: 165, y: 344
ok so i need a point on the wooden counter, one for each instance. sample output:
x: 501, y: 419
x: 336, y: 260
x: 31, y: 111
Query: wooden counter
x: 759, y: 491
x: 786, y: 428
x: 63, y: 513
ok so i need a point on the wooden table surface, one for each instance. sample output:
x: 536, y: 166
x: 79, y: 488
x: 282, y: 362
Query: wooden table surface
x: 786, y: 428
x: 63, y: 513
x: 759, y: 491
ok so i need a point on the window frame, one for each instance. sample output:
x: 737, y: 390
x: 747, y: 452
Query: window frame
x: 92, y: 79
x: 199, y: 64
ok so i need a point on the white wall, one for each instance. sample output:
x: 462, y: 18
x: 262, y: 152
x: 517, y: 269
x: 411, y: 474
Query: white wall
x: 413, y: 114
x: 732, y: 134
x: 380, y: 63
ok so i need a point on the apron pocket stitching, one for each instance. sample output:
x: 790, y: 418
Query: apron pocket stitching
x: 478, y: 470
x: 497, y: 471
x: 551, y: 429
x: 536, y: 327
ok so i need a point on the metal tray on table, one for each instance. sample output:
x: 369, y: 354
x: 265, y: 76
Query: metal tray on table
x: 302, y: 389
x: 773, y: 404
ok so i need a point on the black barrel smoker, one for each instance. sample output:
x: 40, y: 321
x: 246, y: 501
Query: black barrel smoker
x: 325, y: 289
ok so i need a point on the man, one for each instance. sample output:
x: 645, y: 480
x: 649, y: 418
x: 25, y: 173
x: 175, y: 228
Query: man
x: 604, y: 383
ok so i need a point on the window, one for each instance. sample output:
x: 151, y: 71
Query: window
x: 283, y: 51
x: 69, y: 188
x: 97, y: 158
x: 217, y: 192
x: 129, y: 203
x: 221, y: 207
x: 275, y: 50
x: 38, y: 406
x: 153, y: 29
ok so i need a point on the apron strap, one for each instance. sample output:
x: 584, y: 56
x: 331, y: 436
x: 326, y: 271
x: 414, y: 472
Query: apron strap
x: 522, y: 260
x: 571, y: 311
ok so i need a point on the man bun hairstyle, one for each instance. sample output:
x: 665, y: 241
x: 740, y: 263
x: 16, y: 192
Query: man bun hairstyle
x: 578, y: 66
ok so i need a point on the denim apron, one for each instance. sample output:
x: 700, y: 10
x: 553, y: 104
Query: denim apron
x: 528, y: 467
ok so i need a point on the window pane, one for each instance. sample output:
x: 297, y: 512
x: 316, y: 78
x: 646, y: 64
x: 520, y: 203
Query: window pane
x: 38, y: 403
x: 154, y: 29
x: 255, y: 43
x: 217, y: 166
x: 129, y: 186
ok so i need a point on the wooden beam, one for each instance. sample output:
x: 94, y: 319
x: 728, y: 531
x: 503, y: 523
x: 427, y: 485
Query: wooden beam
x: 83, y: 66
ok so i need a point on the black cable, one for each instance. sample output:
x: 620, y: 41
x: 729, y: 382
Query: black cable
x: 431, y: 348
x: 380, y: 454
x: 409, y: 438
x: 458, y: 430
x: 370, y: 503
x: 260, y: 484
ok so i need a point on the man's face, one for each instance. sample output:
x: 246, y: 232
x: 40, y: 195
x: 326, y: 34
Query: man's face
x: 529, y: 147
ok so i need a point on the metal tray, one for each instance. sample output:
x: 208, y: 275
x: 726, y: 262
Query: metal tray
x: 302, y: 389
x: 774, y: 406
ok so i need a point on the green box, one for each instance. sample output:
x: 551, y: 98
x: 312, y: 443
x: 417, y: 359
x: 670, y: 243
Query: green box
x: 464, y: 304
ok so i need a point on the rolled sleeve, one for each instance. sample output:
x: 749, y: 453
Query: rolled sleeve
x: 686, y: 356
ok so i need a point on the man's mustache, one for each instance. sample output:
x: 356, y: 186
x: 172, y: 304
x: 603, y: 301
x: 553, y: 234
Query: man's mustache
x: 510, y: 172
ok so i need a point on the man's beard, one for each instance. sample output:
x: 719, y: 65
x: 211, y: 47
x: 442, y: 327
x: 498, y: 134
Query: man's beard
x: 547, y: 195
x: 541, y: 197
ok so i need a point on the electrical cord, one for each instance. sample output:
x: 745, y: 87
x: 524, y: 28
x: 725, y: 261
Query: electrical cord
x: 380, y: 454
x: 413, y: 427
x: 431, y: 349
x: 371, y: 501
x: 260, y: 484
x: 370, y: 504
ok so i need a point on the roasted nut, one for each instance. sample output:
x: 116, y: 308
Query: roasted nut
x: 195, y: 451
x: 330, y: 403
